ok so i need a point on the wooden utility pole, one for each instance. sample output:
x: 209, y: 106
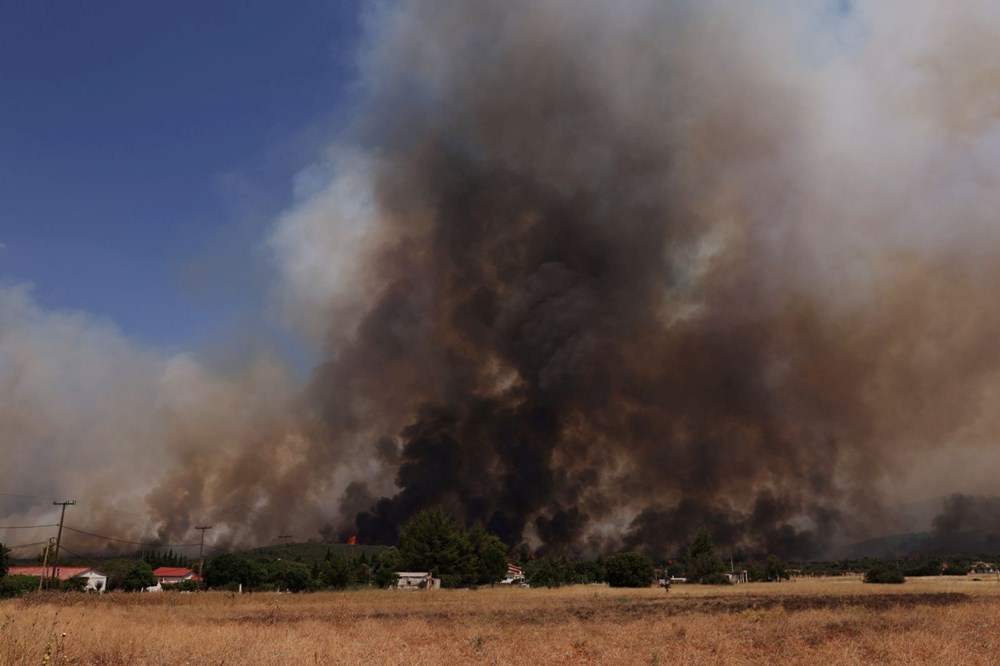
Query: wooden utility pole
x: 62, y: 516
x: 45, y: 564
x: 201, y: 553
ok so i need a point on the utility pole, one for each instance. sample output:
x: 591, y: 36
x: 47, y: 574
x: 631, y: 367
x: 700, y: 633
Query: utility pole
x: 62, y: 516
x: 285, y: 538
x: 201, y: 553
x: 45, y: 563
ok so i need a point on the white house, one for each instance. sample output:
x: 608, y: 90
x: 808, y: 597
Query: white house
x: 417, y: 580
x: 95, y: 579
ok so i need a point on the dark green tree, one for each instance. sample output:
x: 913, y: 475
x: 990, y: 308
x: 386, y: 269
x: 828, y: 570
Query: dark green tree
x: 703, y: 564
x: 590, y: 571
x: 4, y: 560
x: 229, y: 570
x: 432, y: 542
x: 542, y: 573
x: 294, y: 576
x: 139, y: 577
x: 629, y: 570
x: 489, y: 553
x: 884, y: 572
x: 384, y: 576
x: 774, y: 569
x: 336, y: 572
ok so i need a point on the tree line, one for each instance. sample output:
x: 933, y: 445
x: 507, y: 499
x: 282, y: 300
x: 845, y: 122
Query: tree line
x: 432, y: 541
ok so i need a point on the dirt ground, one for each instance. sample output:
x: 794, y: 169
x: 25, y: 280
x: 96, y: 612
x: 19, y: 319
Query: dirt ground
x: 829, y: 621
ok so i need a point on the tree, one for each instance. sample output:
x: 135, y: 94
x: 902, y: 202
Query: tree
x: 229, y: 570
x: 704, y: 565
x: 542, y: 573
x: 884, y: 573
x: 489, y: 553
x: 432, y: 542
x: 4, y: 560
x: 294, y: 576
x: 139, y: 577
x: 629, y: 570
x: 774, y: 569
x: 336, y: 572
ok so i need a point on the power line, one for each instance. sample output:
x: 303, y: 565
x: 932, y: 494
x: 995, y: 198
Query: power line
x: 133, y: 543
x: 75, y: 554
x: 36, y: 497
x: 28, y: 545
x: 26, y: 527
x: 88, y: 506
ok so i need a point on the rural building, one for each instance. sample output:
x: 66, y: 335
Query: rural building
x: 417, y: 580
x: 95, y: 579
x: 172, y: 576
x: 514, y: 575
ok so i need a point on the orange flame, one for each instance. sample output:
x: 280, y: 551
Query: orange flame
x: 353, y: 541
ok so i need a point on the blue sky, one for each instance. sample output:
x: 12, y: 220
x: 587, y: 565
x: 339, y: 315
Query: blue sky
x: 145, y: 147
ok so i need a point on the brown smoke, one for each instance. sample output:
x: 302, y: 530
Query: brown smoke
x: 599, y: 274
x: 635, y: 270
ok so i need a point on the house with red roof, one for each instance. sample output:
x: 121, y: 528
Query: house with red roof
x: 95, y: 579
x: 172, y: 576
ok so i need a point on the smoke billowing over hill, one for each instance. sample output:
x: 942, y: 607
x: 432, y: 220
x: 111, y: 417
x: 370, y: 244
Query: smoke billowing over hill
x: 599, y: 275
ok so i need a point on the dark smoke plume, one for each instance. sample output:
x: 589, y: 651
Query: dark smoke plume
x: 598, y: 303
x: 596, y: 274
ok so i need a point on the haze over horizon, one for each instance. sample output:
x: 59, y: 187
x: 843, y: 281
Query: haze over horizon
x: 595, y: 276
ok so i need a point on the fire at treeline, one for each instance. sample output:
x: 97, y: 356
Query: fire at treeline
x: 435, y: 552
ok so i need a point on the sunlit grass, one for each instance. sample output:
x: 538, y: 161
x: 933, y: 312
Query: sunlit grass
x: 828, y: 621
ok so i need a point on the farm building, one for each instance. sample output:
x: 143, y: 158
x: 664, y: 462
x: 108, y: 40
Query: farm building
x: 95, y: 579
x: 417, y: 580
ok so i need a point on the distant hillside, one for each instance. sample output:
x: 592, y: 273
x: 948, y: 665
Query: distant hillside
x: 922, y: 543
x: 310, y: 552
x: 895, y: 545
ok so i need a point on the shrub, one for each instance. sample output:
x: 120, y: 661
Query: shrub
x: 139, y: 577
x: 15, y: 586
x: 629, y: 570
x: 716, y: 579
x: 885, y: 573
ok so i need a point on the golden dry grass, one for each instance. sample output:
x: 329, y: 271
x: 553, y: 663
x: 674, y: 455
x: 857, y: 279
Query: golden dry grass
x: 831, y: 621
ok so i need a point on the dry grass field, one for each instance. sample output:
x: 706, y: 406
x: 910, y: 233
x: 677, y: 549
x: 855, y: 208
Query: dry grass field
x: 833, y: 621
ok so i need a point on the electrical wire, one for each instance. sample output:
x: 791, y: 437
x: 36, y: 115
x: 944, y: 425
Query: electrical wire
x: 28, y: 545
x: 133, y: 543
x: 26, y: 527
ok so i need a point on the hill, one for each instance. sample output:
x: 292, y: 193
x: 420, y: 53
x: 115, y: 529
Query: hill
x: 311, y: 551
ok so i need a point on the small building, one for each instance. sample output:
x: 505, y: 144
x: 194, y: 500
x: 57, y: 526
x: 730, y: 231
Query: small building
x: 738, y: 577
x: 172, y: 576
x: 95, y: 579
x: 513, y: 576
x: 417, y: 580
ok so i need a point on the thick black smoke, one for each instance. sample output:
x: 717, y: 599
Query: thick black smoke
x: 594, y: 273
x: 591, y: 316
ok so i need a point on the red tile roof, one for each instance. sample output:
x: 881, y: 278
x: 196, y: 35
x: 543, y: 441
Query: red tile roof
x: 173, y: 572
x: 62, y: 573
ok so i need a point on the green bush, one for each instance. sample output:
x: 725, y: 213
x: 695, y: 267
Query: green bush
x: 15, y: 586
x: 716, y: 579
x: 885, y: 573
x: 629, y: 570
x: 452, y: 581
